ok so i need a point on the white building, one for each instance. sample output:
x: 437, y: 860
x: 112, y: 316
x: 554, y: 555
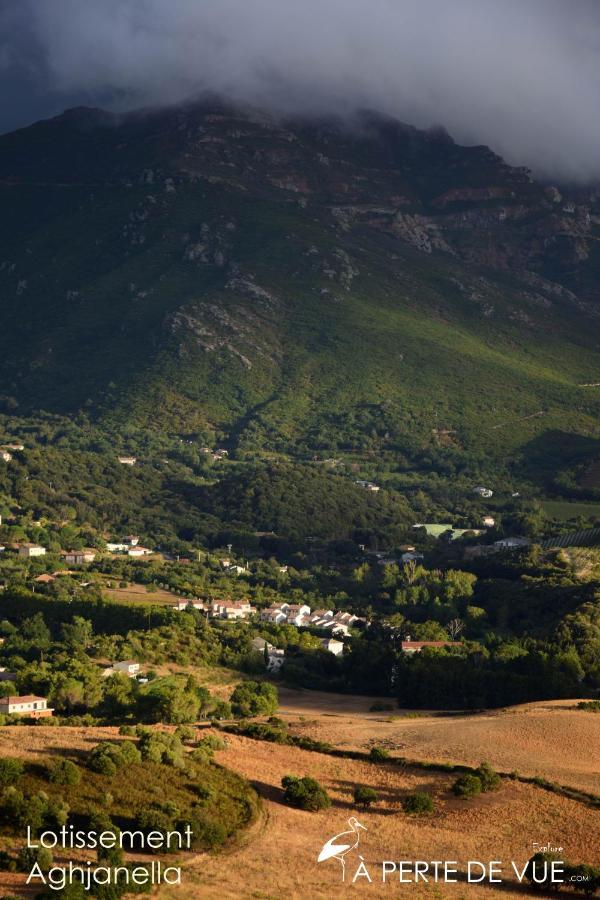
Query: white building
x: 275, y: 614
x: 369, y: 486
x: 183, y: 605
x: 275, y: 657
x: 483, y: 492
x: 488, y: 521
x: 239, y: 609
x: 333, y: 646
x: 28, y: 705
x: 29, y: 550
x: 297, y: 614
x: 79, y: 557
x: 5, y: 455
x: 138, y: 551
x: 127, y: 460
x: 128, y: 666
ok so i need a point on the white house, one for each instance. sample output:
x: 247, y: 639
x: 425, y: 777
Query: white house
x: 483, y: 492
x: 369, y: 486
x: 275, y: 614
x: 138, y: 551
x: 128, y: 666
x: 297, y: 614
x: 333, y: 646
x: 127, y: 460
x: 29, y: 550
x: 5, y: 455
x: 132, y: 540
x: 184, y: 604
x: 79, y: 557
x: 236, y: 570
x: 28, y: 705
x: 239, y: 609
x: 488, y: 521
x: 275, y: 657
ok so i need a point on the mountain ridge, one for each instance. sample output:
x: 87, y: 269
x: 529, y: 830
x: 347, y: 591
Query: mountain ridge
x: 294, y: 284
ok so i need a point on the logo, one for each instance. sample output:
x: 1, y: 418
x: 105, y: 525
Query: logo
x: 342, y: 844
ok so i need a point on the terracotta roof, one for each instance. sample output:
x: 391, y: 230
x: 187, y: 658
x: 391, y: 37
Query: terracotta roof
x: 26, y: 698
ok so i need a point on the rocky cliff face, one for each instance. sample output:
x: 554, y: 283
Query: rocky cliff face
x: 275, y: 277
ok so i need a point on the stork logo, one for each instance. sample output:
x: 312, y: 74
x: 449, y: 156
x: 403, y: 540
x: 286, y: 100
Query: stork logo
x: 339, y: 846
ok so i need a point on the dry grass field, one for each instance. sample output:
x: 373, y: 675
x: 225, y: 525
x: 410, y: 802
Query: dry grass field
x: 551, y: 739
x: 280, y: 860
x: 137, y: 593
x: 277, y: 856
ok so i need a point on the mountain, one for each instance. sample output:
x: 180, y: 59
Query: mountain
x: 295, y: 285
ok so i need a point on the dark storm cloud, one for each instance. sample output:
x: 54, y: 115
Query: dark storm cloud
x: 520, y: 75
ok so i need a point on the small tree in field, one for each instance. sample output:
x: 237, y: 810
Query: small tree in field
x: 378, y: 754
x: 490, y: 780
x: 304, y: 793
x: 467, y: 786
x: 364, y: 795
x: 420, y: 803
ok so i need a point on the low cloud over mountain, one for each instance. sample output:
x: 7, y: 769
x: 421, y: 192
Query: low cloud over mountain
x: 520, y: 75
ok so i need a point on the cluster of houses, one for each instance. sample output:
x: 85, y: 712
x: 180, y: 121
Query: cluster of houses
x: 301, y: 616
x: 129, y: 545
x: 297, y: 614
x: 275, y: 657
x: 219, y: 609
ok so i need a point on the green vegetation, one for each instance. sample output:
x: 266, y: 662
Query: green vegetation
x: 378, y: 754
x: 419, y: 803
x: 304, y: 793
x: 484, y: 779
x: 579, y: 876
x: 254, y: 698
x: 365, y: 796
x: 151, y: 783
x: 467, y: 786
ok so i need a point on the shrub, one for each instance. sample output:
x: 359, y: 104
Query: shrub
x: 589, y: 705
x: 29, y: 856
x: 185, y: 733
x: 214, y: 741
x: 63, y: 771
x: 364, y: 796
x: 304, y: 793
x: 107, y: 758
x: 490, y: 780
x: 10, y: 770
x: 467, y: 786
x: 127, y: 730
x: 254, y: 698
x: 420, y: 803
x: 378, y: 754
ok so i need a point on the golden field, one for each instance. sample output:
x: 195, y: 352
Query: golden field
x: 277, y: 856
x: 552, y: 738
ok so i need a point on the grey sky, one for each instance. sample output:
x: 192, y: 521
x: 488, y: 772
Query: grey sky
x: 520, y: 75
